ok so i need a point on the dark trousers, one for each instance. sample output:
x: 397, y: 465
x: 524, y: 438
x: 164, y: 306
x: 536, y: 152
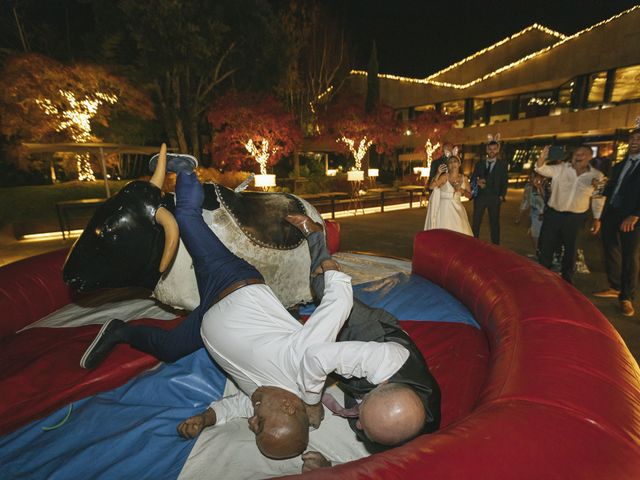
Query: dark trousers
x: 491, y: 203
x: 621, y: 254
x: 560, y: 228
x: 216, y: 268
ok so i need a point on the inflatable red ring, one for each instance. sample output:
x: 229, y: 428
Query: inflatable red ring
x: 561, y: 397
x: 562, y: 393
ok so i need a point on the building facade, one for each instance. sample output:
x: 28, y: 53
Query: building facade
x: 535, y: 88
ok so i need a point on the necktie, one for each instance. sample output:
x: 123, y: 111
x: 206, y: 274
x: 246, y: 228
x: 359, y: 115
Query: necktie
x: 615, y: 198
x: 490, y: 166
x: 332, y: 404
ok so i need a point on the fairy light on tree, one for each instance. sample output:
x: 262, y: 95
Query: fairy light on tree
x: 74, y: 116
x: 261, y: 153
x: 358, y: 153
x: 430, y: 150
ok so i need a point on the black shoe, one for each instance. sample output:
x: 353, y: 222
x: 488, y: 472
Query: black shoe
x: 102, y: 344
x: 176, y: 162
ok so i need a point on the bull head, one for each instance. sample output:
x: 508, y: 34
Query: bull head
x: 130, y: 240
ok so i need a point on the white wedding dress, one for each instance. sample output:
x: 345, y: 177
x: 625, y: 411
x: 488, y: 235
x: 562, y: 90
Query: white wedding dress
x: 445, y: 210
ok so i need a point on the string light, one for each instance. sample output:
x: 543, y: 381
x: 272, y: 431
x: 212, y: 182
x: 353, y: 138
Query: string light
x: 261, y: 154
x: 535, y: 26
x: 360, y: 152
x: 429, y: 80
x: 430, y: 150
x: 76, y: 119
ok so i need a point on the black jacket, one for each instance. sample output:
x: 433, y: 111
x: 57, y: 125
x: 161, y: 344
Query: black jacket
x: 497, y: 179
x: 627, y: 202
x: 384, y: 327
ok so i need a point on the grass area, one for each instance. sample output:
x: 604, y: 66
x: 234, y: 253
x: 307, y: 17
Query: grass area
x: 19, y: 204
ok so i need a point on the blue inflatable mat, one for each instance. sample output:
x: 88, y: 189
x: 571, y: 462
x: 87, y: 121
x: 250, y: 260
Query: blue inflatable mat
x: 129, y: 432
x: 411, y: 297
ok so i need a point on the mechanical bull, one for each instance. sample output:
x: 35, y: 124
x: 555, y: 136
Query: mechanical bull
x: 132, y: 241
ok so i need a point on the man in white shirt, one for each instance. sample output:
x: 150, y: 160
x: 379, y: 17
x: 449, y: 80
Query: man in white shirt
x: 281, y: 365
x: 572, y: 186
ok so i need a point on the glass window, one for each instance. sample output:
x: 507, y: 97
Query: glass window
x: 626, y: 84
x: 501, y: 109
x: 536, y: 104
x: 597, y: 83
x: 456, y: 110
x: 478, y: 113
x: 423, y: 108
x: 565, y: 93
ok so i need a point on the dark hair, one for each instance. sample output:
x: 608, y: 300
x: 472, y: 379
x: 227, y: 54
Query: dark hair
x: 492, y: 142
x: 635, y: 131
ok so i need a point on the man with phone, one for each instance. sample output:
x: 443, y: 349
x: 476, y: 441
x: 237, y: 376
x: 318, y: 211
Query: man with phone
x: 572, y: 186
x: 492, y: 179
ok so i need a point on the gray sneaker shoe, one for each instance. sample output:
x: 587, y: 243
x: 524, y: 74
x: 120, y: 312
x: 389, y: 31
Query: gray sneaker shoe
x: 102, y: 345
x: 176, y: 162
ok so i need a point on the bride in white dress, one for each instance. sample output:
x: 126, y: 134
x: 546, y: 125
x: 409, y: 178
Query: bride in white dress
x: 445, y: 210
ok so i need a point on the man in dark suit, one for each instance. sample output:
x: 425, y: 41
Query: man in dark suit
x: 492, y: 178
x: 620, y: 230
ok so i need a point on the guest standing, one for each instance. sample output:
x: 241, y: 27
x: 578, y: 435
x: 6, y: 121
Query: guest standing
x: 492, y: 179
x: 620, y: 231
x: 572, y: 186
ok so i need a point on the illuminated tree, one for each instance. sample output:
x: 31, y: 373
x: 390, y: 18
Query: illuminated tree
x: 250, y: 127
x: 428, y: 128
x: 42, y: 100
x: 345, y: 121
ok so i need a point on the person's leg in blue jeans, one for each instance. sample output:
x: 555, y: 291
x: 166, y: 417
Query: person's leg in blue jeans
x: 216, y: 268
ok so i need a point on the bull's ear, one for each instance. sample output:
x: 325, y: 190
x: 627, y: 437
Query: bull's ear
x: 171, y: 236
x: 161, y: 168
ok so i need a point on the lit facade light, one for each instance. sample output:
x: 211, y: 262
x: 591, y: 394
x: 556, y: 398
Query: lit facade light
x: 373, y: 172
x: 355, y: 175
x: 331, y: 172
x: 265, y: 181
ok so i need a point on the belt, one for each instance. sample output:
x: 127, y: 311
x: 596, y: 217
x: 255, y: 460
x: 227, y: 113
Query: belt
x: 237, y: 286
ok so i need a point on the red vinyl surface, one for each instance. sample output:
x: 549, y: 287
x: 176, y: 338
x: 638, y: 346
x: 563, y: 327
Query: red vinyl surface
x: 561, y: 399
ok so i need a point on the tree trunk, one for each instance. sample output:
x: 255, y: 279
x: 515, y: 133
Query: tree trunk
x: 182, y: 140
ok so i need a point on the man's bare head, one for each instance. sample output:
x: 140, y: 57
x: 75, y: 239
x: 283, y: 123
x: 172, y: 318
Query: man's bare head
x: 280, y: 423
x: 391, y: 414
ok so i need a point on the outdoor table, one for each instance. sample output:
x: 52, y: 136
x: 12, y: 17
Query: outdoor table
x: 411, y: 189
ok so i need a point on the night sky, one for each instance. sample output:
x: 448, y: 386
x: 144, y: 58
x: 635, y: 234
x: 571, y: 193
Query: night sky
x: 413, y: 37
x: 416, y: 38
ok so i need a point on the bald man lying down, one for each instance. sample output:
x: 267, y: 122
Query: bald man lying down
x: 229, y: 451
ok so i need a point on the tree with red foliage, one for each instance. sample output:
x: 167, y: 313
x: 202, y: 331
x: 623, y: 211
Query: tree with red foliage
x: 29, y: 83
x: 345, y: 121
x: 242, y: 119
x: 428, y: 125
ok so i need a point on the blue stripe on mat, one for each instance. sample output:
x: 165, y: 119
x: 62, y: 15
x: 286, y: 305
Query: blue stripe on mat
x: 129, y: 432
x: 411, y: 297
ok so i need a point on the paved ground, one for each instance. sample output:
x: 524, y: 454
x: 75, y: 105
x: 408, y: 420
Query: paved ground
x: 392, y: 233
